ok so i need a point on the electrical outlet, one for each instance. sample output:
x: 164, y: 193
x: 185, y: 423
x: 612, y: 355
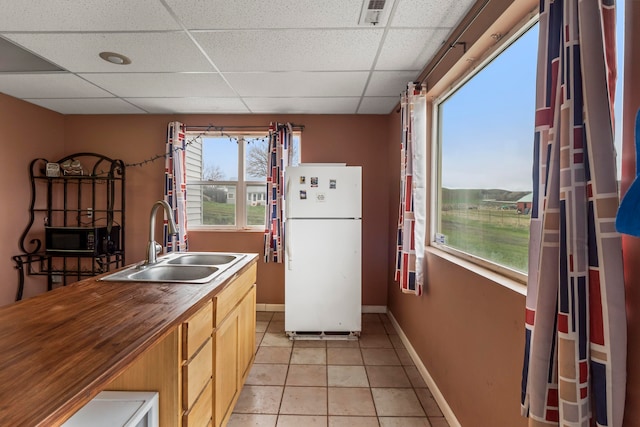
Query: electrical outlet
x: 89, y: 213
x: 56, y: 278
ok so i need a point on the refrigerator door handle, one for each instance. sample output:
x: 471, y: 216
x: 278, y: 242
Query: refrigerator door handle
x: 287, y: 194
x: 287, y: 240
x: 287, y: 244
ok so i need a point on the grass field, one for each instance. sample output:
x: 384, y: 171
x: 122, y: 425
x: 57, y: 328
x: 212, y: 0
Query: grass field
x: 500, y: 236
x: 224, y: 214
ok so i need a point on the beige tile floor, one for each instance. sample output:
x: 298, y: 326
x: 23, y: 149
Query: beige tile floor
x: 334, y: 383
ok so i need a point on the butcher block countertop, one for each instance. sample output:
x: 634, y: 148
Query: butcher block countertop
x: 61, y: 348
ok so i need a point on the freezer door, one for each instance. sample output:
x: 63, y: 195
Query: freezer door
x: 323, y: 276
x: 323, y: 192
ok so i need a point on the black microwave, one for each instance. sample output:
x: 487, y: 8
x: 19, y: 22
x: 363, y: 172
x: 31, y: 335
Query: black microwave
x: 82, y: 240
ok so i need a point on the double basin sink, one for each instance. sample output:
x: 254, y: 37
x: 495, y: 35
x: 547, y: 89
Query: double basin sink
x: 179, y: 267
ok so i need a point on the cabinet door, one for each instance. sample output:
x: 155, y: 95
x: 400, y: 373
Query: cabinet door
x: 246, y: 334
x: 225, y: 374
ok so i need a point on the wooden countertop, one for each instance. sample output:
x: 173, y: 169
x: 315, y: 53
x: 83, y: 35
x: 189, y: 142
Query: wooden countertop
x: 61, y: 348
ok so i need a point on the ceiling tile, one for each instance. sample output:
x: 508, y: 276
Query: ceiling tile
x: 389, y: 83
x: 430, y: 13
x: 190, y: 105
x: 87, y: 106
x: 159, y: 52
x: 303, y: 105
x: 142, y: 85
x: 422, y: 43
x: 378, y: 104
x: 59, y: 85
x: 85, y: 15
x: 252, y: 14
x: 291, y: 50
x: 304, y: 56
x: 294, y: 84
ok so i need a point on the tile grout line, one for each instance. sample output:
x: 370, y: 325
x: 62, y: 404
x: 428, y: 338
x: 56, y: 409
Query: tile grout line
x: 284, y: 386
x: 396, y: 351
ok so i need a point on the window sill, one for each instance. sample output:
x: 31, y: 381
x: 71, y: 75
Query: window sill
x: 497, y: 278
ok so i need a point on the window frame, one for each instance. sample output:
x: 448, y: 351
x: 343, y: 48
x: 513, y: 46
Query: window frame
x: 241, y: 184
x: 436, y: 156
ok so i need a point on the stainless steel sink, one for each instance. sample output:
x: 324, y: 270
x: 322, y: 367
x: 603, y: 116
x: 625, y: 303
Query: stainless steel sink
x: 202, y: 259
x: 169, y: 273
x: 179, y: 267
x: 165, y: 273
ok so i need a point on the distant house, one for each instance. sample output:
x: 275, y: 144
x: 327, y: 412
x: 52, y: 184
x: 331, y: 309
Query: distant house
x: 524, y: 203
x: 255, y: 195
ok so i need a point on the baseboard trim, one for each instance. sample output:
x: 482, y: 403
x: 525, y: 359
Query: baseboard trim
x: 435, y: 391
x: 269, y: 307
x: 374, y: 308
x: 280, y: 307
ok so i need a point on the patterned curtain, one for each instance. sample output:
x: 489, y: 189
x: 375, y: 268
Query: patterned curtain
x: 413, y: 204
x: 175, y: 187
x: 574, y: 370
x: 279, y: 156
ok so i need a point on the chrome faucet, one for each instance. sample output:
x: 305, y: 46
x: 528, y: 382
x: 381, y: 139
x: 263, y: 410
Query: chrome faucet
x: 153, y: 248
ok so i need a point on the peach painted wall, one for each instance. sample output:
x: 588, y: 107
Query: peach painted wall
x: 356, y: 140
x: 27, y: 132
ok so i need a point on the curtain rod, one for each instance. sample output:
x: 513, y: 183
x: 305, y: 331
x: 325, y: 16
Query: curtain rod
x: 221, y: 128
x: 426, y: 73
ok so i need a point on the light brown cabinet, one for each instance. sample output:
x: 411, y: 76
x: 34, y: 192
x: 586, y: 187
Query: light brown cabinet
x: 234, y: 345
x: 200, y: 367
x: 246, y: 334
x: 226, y: 367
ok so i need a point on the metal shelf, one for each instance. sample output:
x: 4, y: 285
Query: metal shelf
x: 96, y: 198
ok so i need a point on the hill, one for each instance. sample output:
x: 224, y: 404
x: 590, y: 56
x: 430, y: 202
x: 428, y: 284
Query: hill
x: 478, y: 195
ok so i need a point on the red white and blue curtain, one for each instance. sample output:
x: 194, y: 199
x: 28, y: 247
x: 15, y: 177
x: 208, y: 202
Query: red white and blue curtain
x: 279, y: 157
x: 413, y: 204
x: 575, y: 355
x: 175, y: 187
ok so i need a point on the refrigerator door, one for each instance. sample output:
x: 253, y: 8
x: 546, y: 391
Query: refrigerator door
x: 323, y: 192
x: 323, y: 276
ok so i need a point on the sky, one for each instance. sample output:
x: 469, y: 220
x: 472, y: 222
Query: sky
x: 488, y: 123
x: 223, y: 153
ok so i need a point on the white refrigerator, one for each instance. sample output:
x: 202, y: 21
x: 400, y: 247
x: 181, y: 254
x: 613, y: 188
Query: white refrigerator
x: 323, y: 247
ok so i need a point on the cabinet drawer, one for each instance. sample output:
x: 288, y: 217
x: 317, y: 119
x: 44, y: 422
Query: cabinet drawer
x: 196, y: 374
x: 196, y: 330
x: 229, y: 297
x: 200, y: 414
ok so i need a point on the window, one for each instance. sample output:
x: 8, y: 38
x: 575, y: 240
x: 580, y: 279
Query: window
x: 226, y: 180
x: 484, y: 153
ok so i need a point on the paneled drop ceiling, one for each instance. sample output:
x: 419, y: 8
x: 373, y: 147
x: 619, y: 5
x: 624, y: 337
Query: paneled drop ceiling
x: 218, y: 56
